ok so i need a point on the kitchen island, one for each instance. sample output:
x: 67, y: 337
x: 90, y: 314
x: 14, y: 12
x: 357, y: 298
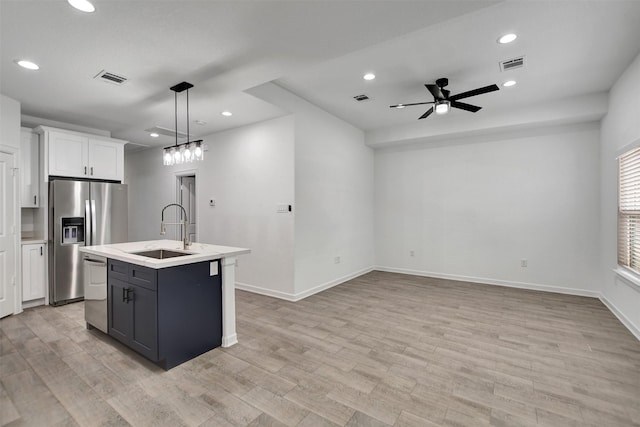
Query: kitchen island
x: 168, y: 303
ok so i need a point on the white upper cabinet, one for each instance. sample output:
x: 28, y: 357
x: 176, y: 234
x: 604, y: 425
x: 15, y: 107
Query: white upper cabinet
x: 68, y: 154
x: 29, y: 170
x: 79, y: 155
x: 106, y: 159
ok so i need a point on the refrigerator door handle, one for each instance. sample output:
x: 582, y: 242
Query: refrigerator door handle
x: 87, y: 223
x: 94, y: 237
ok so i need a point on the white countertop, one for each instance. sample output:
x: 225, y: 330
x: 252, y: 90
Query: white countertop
x: 198, y: 252
x: 31, y: 241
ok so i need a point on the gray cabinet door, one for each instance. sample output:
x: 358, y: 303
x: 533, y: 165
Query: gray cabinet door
x: 120, y: 311
x: 144, y: 306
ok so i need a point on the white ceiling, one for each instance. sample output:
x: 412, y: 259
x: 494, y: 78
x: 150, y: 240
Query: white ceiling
x: 317, y: 49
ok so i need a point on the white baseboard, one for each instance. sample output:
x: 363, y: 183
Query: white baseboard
x: 302, y: 295
x: 621, y: 317
x: 487, y: 281
x: 264, y: 291
x: 32, y: 303
x: 331, y: 283
x: 228, y: 341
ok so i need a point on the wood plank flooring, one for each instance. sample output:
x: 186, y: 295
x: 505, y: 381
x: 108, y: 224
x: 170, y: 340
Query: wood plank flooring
x: 383, y: 349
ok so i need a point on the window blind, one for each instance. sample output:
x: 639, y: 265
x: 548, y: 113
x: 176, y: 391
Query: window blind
x: 629, y: 210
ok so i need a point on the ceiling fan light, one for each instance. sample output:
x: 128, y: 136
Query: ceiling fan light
x: 442, y: 107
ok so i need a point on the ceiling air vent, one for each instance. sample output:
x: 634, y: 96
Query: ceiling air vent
x: 511, y: 64
x: 108, y: 77
x: 361, y: 98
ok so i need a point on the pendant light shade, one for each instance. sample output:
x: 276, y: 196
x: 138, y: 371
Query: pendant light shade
x: 188, y: 151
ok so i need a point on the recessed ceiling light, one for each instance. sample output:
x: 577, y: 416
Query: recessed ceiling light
x: 400, y: 106
x: 154, y: 135
x: 509, y: 83
x: 82, y: 5
x: 27, y: 64
x: 507, y: 38
x: 369, y: 76
x: 227, y: 113
x: 200, y: 122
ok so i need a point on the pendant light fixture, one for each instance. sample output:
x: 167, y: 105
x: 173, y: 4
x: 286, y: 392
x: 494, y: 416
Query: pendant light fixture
x: 187, y: 151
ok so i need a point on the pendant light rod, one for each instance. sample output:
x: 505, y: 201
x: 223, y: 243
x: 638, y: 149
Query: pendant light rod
x: 181, y: 87
x: 175, y: 97
x: 187, y: 151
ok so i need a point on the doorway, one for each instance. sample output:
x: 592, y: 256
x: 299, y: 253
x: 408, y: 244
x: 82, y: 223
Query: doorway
x: 187, y: 198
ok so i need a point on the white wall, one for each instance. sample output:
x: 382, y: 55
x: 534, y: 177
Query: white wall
x: 334, y: 201
x: 333, y: 195
x: 10, y: 122
x: 620, y: 128
x: 248, y: 171
x: 472, y: 208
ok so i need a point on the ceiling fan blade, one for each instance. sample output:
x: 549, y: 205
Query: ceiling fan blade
x: 474, y: 92
x: 467, y: 107
x: 425, y: 115
x: 435, y: 91
x: 409, y: 105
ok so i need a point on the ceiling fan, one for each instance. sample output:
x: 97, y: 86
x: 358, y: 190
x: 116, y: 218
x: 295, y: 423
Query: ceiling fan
x: 443, y: 102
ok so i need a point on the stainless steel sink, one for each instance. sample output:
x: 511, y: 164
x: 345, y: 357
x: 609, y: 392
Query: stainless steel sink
x: 161, y: 253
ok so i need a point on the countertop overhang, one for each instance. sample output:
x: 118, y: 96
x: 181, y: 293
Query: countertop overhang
x: 198, y: 252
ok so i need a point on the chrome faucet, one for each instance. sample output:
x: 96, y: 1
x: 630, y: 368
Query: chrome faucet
x: 163, y: 230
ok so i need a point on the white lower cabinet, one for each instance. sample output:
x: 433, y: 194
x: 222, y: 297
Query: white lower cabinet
x: 33, y: 271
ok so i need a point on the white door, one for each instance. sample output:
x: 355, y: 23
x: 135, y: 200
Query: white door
x: 68, y: 155
x: 188, y: 201
x: 105, y: 159
x: 33, y: 282
x: 29, y: 164
x: 7, y: 234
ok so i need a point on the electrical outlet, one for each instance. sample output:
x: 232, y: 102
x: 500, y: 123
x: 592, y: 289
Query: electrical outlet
x: 523, y: 263
x: 336, y: 260
x: 412, y: 253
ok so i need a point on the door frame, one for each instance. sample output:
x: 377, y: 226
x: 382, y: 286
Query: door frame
x: 194, y: 174
x: 17, y: 295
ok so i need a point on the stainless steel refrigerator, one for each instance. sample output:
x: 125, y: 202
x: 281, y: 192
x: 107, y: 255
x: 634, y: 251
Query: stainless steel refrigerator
x: 81, y: 213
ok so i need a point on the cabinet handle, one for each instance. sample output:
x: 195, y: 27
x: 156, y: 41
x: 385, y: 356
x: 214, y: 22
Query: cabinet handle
x: 91, y: 170
x: 85, y: 170
x: 34, y: 200
x: 129, y: 291
x: 40, y: 250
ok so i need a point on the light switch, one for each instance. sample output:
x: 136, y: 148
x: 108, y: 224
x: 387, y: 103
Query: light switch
x: 212, y: 202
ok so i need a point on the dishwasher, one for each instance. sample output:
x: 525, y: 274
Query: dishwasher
x: 95, y: 292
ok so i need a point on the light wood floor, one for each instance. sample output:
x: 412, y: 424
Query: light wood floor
x: 382, y: 349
